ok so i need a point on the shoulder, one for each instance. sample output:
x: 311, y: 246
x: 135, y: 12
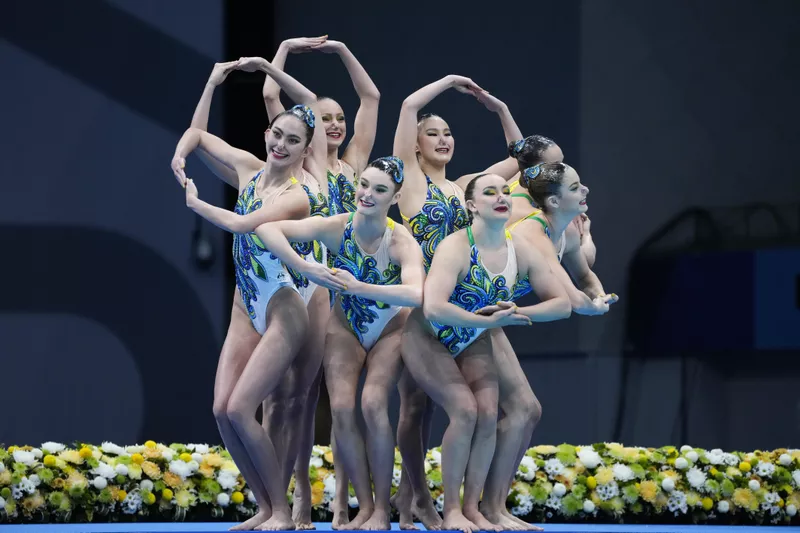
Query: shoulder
x: 573, y: 237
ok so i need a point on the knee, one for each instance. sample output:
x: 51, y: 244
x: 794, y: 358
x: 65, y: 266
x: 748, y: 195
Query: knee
x: 343, y: 412
x: 464, y: 412
x: 220, y: 410
x: 374, y: 407
x: 525, y: 411
x: 486, y: 422
x: 237, y: 411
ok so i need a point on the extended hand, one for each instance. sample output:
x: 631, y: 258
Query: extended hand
x: 177, y: 165
x: 191, y: 192
x: 491, y: 309
x: 221, y: 71
x: 250, y: 64
x: 300, y: 45
x: 324, y: 277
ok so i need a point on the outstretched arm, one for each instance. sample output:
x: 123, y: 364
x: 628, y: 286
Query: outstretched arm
x: 195, y: 139
x: 200, y: 121
x: 292, y: 206
x: 366, y: 124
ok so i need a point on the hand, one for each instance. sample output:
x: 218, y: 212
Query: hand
x: 301, y: 45
x: 491, y: 309
x: 586, y: 223
x: 191, y: 192
x: 348, y: 280
x: 509, y: 317
x: 492, y: 104
x: 221, y: 71
x: 250, y: 64
x: 324, y: 277
x: 329, y: 47
x: 178, y: 164
x: 609, y: 298
x: 464, y: 85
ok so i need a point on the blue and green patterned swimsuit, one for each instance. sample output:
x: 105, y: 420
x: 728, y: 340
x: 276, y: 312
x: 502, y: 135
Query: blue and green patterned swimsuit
x: 439, y: 217
x: 479, y: 288
x: 313, y: 251
x: 367, y: 318
x: 523, y: 287
x: 341, y: 192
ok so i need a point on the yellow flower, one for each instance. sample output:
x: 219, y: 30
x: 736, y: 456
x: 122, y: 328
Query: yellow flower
x: 569, y: 476
x: 5, y: 478
x: 49, y: 461
x: 184, y: 498
x: 794, y: 499
x: 317, y: 491
x: 76, y: 480
x: 32, y: 503
x: 86, y: 452
x: 708, y: 503
x: 328, y: 457
x: 172, y: 480
x: 229, y: 465
x: 121, y: 495
x: 733, y: 472
x: 151, y: 453
x: 648, y: 490
x: 71, y: 456
x: 135, y: 472
x: 595, y: 497
x: 186, y: 457
x: 212, y: 459
x: 713, y: 472
x: 614, y: 447
x: 167, y: 494
x: 745, y: 499
x: 579, y: 468
x: 114, y: 490
x: 661, y: 501
x: 150, y: 499
x: 591, y: 482
x: 137, y: 458
x: 744, y: 466
x: 781, y: 503
x: 58, y: 483
x: 150, y: 444
x: 545, y: 449
x: 630, y: 454
x: 604, y: 475
x: 692, y: 499
x: 206, y: 470
x: 151, y: 470
x: 12, y: 449
x: 673, y: 474
x: 237, y: 497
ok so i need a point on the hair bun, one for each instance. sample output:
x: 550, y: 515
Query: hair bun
x: 392, y: 165
x: 304, y: 113
x: 530, y: 174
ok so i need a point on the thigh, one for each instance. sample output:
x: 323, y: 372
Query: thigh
x: 432, y: 366
x: 512, y: 381
x: 478, y: 367
x: 240, y: 342
x: 384, y: 363
x: 343, y: 361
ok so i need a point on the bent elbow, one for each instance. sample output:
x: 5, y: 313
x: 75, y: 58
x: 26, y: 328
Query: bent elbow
x: 565, y: 308
x: 430, y: 310
x: 416, y: 297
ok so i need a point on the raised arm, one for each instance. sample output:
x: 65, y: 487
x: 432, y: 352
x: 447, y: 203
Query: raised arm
x: 508, y: 167
x: 293, y: 205
x: 242, y: 162
x: 366, y: 123
x: 200, y: 121
x: 277, y: 237
x: 272, y: 91
x: 408, y: 254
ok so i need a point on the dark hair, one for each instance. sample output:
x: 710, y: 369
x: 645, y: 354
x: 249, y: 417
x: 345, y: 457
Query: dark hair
x: 469, y: 192
x: 528, y: 151
x: 393, y: 166
x: 543, y: 181
x: 302, y: 113
x: 425, y: 116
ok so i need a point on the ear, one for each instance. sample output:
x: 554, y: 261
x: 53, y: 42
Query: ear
x: 552, y: 202
x: 307, y: 150
x: 396, y: 197
x: 470, y: 206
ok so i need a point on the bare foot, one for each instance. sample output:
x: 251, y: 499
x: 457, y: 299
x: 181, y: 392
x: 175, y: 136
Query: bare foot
x: 401, y: 501
x: 249, y: 525
x: 379, y: 521
x: 340, y: 517
x: 505, y: 523
x: 483, y: 523
x: 458, y: 522
x: 424, y: 510
x: 301, y: 510
x: 360, y: 519
x: 278, y: 522
x: 522, y: 523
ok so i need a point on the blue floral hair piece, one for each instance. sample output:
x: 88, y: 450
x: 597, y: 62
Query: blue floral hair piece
x: 392, y: 165
x: 531, y: 173
x: 304, y: 113
x: 517, y: 147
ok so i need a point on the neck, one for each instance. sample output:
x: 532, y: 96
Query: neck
x: 333, y: 159
x: 558, y: 222
x: 371, y: 226
x: 274, y: 175
x: 435, y: 172
x: 491, y: 235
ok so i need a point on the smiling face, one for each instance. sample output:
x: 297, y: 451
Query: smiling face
x: 435, y: 142
x: 488, y: 196
x: 571, y: 198
x: 376, y: 192
x: 333, y: 122
x: 557, y: 187
x: 286, y: 141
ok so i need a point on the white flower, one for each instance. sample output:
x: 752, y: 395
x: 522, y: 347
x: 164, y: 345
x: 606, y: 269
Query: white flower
x: 553, y: 467
x: 397, y: 474
x: 559, y: 489
x: 668, y: 484
x: 685, y: 448
x: 530, y: 468
x: 226, y: 478
x: 771, y: 497
x: 146, y: 485
x: 113, y: 449
x: 315, y: 461
x: 16, y: 493
x: 197, y: 458
x: 791, y: 510
x: 26, y: 485
x: 198, y: 448
x: 104, y: 470
x: 608, y: 491
x: 53, y: 447
x: 2, y: 467
x: 590, y: 458
x: 553, y: 502
x: 796, y: 478
x: 681, y: 463
x: 3, y: 504
x: 37, y: 453
x: 696, y: 477
x: 134, y: 449
x: 730, y: 459
x: 329, y: 488
x: 524, y: 505
x: 754, y: 485
x: 168, y: 455
x: 439, y: 503
x: 622, y: 472
x: 35, y: 480
x: 715, y: 456
x: 588, y: 506
x: 436, y: 457
x: 692, y: 456
x: 132, y: 503
x: 785, y: 459
x: 99, y: 482
x: 122, y: 470
x: 185, y: 470
x: 352, y: 502
x: 223, y: 499
x: 317, y: 451
x: 677, y: 502
x: 26, y: 458
x: 723, y: 506
x: 765, y: 469
x: 251, y: 496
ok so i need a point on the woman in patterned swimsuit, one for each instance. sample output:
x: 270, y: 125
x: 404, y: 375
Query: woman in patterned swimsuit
x: 341, y: 177
x: 447, y: 349
x: 259, y: 338
x: 381, y: 266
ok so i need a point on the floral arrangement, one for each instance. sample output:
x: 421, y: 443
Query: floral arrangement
x: 604, y: 482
